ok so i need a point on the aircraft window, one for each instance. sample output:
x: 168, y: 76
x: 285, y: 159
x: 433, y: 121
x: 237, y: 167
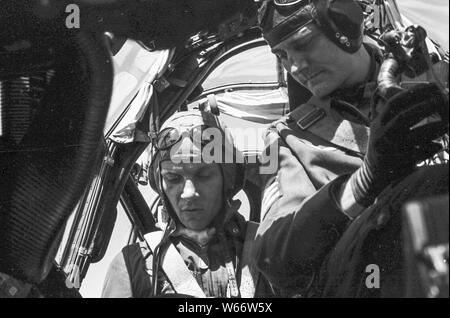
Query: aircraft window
x: 256, y: 65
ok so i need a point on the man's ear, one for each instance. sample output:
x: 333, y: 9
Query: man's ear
x: 342, y: 22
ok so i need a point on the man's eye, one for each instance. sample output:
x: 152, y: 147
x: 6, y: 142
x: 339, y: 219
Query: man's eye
x: 303, y: 45
x: 172, y: 177
x: 204, y: 175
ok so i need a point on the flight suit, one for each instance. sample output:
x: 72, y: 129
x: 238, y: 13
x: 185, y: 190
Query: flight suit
x: 320, y: 144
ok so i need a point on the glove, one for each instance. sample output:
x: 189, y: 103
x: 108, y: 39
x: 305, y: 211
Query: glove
x: 395, y: 144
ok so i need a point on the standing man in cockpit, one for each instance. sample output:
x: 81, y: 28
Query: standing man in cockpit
x: 333, y: 206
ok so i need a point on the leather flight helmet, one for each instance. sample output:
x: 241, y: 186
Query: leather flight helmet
x: 342, y: 21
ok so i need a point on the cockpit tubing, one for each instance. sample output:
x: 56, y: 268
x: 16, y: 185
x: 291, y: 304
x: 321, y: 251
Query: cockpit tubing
x: 44, y: 172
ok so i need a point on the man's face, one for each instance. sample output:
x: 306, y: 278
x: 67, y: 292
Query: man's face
x: 195, y: 191
x: 314, y: 61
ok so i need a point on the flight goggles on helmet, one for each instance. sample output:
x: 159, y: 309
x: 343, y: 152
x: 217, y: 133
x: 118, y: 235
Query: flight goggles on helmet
x: 170, y: 136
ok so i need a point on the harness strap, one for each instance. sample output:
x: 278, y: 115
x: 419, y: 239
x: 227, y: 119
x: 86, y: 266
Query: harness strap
x: 308, y: 115
x: 13, y: 288
x: 174, y: 267
x: 248, y: 272
x: 182, y: 279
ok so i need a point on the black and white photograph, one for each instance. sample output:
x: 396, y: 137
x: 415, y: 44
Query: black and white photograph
x: 272, y: 150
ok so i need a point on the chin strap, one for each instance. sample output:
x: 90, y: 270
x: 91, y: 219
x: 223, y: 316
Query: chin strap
x: 201, y: 238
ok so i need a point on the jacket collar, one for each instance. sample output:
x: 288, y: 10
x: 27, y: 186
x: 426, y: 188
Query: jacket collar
x: 359, y: 93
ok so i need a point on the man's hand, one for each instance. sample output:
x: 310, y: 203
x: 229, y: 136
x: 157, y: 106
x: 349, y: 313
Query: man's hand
x: 397, y: 143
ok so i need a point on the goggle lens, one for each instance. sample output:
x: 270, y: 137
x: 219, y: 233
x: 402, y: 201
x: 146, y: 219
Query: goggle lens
x: 168, y: 137
x: 288, y: 3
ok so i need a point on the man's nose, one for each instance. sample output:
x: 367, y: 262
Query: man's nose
x: 189, y: 190
x: 297, y: 64
x: 293, y: 69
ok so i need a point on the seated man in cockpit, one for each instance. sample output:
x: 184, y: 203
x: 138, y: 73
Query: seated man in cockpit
x: 204, y: 250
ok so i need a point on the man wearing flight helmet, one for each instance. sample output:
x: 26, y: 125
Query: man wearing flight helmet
x: 205, y: 247
x: 331, y: 170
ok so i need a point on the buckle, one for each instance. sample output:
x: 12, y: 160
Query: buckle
x: 161, y: 84
x: 311, y: 118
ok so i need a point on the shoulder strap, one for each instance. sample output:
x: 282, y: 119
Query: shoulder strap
x: 249, y: 273
x: 308, y: 114
x: 174, y: 267
x: 148, y: 261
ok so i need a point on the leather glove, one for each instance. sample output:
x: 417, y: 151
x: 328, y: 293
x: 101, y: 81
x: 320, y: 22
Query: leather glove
x: 395, y: 145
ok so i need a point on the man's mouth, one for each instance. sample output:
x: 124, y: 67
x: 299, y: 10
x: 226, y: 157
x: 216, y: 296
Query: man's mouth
x: 305, y: 78
x: 191, y: 209
x: 310, y: 78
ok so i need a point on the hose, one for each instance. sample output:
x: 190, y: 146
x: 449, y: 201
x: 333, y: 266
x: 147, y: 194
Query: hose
x: 43, y: 186
x: 388, y: 78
